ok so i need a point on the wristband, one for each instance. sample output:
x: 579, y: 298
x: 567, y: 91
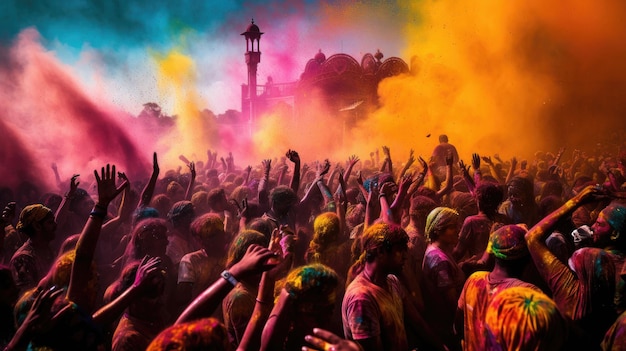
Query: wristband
x: 229, y: 277
x: 97, y: 214
x: 263, y: 302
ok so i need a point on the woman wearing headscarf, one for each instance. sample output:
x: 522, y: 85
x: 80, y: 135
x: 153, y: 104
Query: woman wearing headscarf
x: 584, y: 289
x: 443, y: 279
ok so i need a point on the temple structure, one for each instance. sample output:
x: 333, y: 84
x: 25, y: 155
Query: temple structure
x: 345, y: 86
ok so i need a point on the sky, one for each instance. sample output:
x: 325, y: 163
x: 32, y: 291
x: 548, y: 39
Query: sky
x: 112, y: 45
x: 496, y: 77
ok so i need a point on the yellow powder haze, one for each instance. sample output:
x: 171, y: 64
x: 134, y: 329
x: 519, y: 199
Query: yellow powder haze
x: 193, y: 134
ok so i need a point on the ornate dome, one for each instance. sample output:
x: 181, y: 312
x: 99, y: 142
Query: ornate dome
x: 379, y: 55
x: 320, y: 57
x: 253, y: 28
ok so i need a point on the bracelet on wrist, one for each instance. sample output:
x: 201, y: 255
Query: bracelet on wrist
x: 263, y: 302
x: 101, y: 207
x: 229, y: 277
x: 97, y: 214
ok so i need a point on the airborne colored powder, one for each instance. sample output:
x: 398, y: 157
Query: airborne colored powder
x: 49, y: 118
x: 510, y: 78
x: 193, y: 133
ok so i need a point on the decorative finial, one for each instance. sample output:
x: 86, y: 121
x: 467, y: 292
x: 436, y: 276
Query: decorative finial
x: 252, y: 20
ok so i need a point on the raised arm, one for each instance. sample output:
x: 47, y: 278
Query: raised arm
x: 399, y: 202
x: 145, y: 278
x: 478, y: 175
x: 492, y: 168
x: 342, y: 206
x: 57, y: 177
x: 372, y: 208
x: 61, y: 215
x: 387, y: 153
x: 247, y: 171
x: 251, y: 340
x: 192, y: 169
x: 557, y: 159
x: 511, y: 173
x: 385, y: 210
x: 420, y: 177
x: 535, y: 237
x: 322, y: 170
x: 469, y: 182
x: 257, y: 259
x: 352, y: 160
x: 148, y: 190
x: 263, y: 191
x: 449, y: 180
x: 86, y: 246
x: 408, y: 164
x: 124, y: 212
x: 293, y: 156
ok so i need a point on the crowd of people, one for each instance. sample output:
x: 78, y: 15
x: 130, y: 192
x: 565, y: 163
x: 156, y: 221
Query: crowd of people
x: 490, y: 254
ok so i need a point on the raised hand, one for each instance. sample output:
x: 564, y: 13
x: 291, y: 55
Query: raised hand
x: 405, y: 181
x: 464, y: 168
x: 243, y: 210
x: 513, y: 162
x: 424, y: 165
x: 73, y: 186
x: 107, y: 191
x: 323, y: 340
x: 155, y: 164
x: 323, y: 169
x: 359, y: 178
x: 267, y: 165
x: 148, y: 273
x: 256, y: 260
x: 293, y: 156
x: 192, y: 169
x: 523, y: 164
x: 386, y: 151
x: 497, y: 157
x: 184, y: 159
x: 487, y: 160
x: 388, y: 188
x: 411, y: 159
x: 352, y: 160
x: 475, y: 161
